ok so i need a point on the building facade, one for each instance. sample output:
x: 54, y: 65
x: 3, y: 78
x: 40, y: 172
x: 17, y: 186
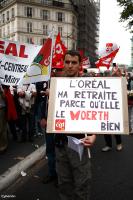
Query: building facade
x: 31, y: 22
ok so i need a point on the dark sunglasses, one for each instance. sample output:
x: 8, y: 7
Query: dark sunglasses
x: 72, y: 62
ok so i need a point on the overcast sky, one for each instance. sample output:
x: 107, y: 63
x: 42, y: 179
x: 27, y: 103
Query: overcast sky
x: 111, y: 30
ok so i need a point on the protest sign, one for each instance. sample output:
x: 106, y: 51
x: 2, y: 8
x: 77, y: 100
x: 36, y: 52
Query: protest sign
x: 88, y: 105
x: 15, y: 58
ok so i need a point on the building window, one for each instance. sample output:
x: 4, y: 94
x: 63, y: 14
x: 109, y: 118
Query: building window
x: 8, y: 30
x: 60, y: 30
x: 29, y: 27
x: 29, y: 12
x: 29, y: 40
x: 7, y: 15
x: 42, y: 41
x: 45, y: 14
x: 60, y: 17
x: 3, y: 18
x: 45, y: 1
x: 58, y: 3
x: 73, y: 20
x: 73, y: 34
x: 3, y: 32
x: 13, y: 13
x: 12, y: 28
x: 73, y: 45
x: 45, y: 29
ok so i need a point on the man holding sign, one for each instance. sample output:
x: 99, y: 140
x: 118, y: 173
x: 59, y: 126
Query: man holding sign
x: 74, y: 172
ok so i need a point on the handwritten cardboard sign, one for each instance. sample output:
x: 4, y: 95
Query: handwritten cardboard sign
x: 88, y: 105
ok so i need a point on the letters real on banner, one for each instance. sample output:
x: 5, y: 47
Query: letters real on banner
x: 88, y: 105
x: 15, y: 58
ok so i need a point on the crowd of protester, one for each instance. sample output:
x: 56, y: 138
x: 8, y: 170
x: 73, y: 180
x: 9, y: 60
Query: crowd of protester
x: 20, y: 113
x: 21, y: 107
x: 23, y: 113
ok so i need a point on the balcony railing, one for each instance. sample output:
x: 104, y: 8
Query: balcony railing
x: 51, y: 3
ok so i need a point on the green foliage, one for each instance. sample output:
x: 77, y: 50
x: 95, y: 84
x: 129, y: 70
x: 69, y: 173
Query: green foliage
x: 127, y: 12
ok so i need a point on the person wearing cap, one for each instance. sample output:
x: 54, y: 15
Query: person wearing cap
x: 108, y: 138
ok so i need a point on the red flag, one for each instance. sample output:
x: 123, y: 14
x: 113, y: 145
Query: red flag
x: 81, y: 51
x: 107, y: 60
x: 59, y: 51
x: 43, y: 57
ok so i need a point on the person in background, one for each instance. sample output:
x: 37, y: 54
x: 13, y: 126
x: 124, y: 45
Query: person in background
x: 107, y: 137
x: 74, y: 175
x: 129, y: 80
x: 27, y: 94
x: 50, y: 143
x: 18, y: 110
x: 11, y: 111
x: 40, y: 98
x: 3, y: 122
x: 130, y: 102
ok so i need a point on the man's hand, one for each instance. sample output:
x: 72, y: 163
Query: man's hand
x: 21, y: 94
x: 43, y: 123
x: 89, y: 140
x: 34, y: 94
x: 46, y: 92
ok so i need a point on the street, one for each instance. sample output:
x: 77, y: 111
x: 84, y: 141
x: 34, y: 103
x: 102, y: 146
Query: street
x: 112, y: 176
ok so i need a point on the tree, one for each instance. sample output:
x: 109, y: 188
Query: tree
x: 127, y: 12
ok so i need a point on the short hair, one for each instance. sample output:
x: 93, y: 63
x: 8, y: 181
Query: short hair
x: 73, y: 53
